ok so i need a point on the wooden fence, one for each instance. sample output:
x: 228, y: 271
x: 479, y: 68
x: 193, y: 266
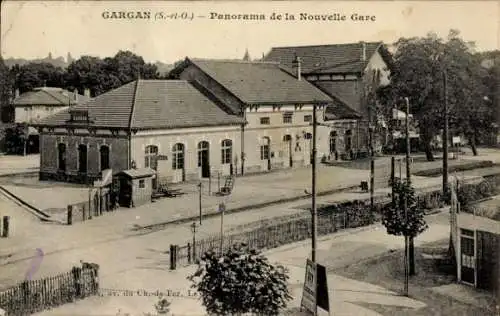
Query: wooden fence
x: 270, y: 236
x: 100, y: 202
x: 35, y: 296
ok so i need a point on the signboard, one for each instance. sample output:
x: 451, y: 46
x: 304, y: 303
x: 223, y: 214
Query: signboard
x: 315, y: 293
x: 455, y: 140
x: 309, y: 292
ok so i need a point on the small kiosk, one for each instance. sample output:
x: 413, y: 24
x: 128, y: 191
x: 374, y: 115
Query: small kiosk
x: 135, y: 186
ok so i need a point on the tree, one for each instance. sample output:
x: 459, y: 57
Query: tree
x: 101, y: 75
x: 400, y: 223
x: 417, y: 73
x: 240, y: 281
x: 6, y: 87
x: 34, y: 75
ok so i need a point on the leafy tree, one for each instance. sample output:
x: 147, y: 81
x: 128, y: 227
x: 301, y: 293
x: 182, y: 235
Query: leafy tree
x: 101, y: 75
x: 240, y: 281
x: 15, y: 139
x: 6, y: 87
x: 34, y: 75
x: 418, y: 73
x: 400, y: 223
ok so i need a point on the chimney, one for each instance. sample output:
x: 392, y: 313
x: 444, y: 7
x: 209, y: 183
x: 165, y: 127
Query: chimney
x: 86, y: 93
x: 363, y: 51
x: 17, y: 93
x: 297, y: 64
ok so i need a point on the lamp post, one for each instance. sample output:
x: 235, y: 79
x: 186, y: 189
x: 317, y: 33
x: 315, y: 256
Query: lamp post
x: 313, y: 209
x: 200, y: 187
x: 193, y: 229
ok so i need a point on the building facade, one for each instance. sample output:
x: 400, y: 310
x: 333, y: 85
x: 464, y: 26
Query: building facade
x: 348, y: 73
x: 276, y: 106
x: 159, y: 124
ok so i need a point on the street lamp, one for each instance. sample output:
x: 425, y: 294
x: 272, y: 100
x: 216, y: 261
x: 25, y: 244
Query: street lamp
x: 313, y: 210
x: 193, y: 230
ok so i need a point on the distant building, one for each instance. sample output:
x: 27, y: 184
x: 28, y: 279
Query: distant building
x: 33, y: 106
x: 39, y: 103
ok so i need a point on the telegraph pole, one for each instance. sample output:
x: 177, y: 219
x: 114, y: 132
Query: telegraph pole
x: 408, y: 180
x: 313, y: 210
x: 445, y: 136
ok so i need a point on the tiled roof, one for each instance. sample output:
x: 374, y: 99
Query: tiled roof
x: 175, y: 103
x: 260, y: 82
x: 49, y: 96
x: 150, y: 104
x: 338, y: 58
x: 139, y: 173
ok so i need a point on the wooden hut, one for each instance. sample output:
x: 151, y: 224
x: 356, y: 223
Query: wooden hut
x: 135, y: 186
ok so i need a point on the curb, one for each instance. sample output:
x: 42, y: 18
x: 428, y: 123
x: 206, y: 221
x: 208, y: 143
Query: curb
x: 239, y: 209
x: 17, y: 174
x: 33, y: 210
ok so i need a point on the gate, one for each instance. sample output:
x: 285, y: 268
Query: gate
x: 467, y: 257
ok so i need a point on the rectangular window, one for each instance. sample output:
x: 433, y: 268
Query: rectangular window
x: 142, y: 184
x: 82, y: 158
x: 265, y: 121
x: 308, y: 118
x: 287, y: 118
x: 264, y: 152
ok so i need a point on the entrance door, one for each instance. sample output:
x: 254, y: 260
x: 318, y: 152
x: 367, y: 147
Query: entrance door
x: 265, y: 153
x: 204, y: 159
x: 467, y: 257
x: 287, y: 142
x: 178, y: 163
x: 308, y: 149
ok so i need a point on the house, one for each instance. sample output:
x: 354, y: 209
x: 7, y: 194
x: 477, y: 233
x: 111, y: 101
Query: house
x: 276, y: 105
x: 166, y: 125
x: 32, y: 106
x: 348, y: 73
x: 39, y: 103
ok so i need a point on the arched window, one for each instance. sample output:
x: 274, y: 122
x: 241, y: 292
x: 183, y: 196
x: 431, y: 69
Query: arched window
x: 151, y: 157
x: 178, y: 156
x: 61, y: 156
x: 226, y: 151
x: 104, y: 157
x: 203, y: 149
x: 265, y: 149
x: 82, y: 158
x: 333, y: 141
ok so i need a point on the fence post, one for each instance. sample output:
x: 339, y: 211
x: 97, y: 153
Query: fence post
x: 173, y: 257
x: 84, y: 211
x: 189, y: 252
x: 70, y: 214
x: 5, y: 226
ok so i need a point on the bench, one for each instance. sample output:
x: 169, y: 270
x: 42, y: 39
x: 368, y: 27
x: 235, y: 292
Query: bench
x: 228, y: 187
x: 163, y: 190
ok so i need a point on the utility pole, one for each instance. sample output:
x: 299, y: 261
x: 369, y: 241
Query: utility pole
x: 313, y: 210
x: 411, y: 247
x: 445, y: 136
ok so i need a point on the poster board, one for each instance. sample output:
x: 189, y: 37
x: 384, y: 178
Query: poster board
x: 315, y: 291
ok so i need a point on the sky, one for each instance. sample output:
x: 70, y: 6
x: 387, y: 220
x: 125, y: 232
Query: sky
x: 32, y: 29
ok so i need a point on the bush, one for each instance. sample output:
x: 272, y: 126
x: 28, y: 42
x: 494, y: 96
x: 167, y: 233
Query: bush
x: 241, y: 281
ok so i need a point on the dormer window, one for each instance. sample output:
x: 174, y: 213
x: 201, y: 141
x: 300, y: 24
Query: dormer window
x: 79, y: 116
